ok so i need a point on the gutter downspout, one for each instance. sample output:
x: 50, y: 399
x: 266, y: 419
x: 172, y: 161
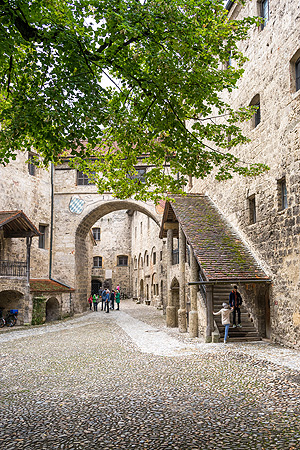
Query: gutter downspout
x: 51, y: 230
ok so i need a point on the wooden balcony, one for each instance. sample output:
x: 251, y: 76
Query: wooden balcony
x: 12, y: 268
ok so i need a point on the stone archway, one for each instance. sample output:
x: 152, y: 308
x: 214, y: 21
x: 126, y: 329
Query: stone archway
x: 10, y: 299
x: 81, y: 278
x: 52, y: 309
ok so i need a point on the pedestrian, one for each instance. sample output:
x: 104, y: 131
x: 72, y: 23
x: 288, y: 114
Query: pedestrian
x: 95, y: 302
x: 235, y: 301
x: 106, y: 297
x: 225, y: 318
x: 118, y: 297
x: 118, y: 288
x: 112, y: 300
x: 90, y: 300
x: 102, y: 295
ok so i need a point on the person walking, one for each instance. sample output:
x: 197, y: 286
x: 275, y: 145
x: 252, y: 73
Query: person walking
x: 95, y: 302
x: 90, y: 300
x: 112, y: 300
x: 225, y: 318
x: 118, y: 297
x: 235, y: 301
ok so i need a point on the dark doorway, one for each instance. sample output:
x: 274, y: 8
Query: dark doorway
x: 96, y: 286
x: 52, y: 309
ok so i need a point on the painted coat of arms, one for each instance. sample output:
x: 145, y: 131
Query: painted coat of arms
x: 76, y: 205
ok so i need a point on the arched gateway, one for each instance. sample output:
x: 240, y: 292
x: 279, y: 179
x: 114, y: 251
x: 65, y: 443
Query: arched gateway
x: 74, y: 218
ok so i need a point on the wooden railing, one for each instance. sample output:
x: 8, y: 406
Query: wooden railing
x: 12, y: 268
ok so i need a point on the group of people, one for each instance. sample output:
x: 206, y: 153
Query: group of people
x: 234, y: 306
x: 107, y: 300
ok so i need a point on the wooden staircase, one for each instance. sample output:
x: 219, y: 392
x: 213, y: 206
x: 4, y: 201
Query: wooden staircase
x: 248, y: 332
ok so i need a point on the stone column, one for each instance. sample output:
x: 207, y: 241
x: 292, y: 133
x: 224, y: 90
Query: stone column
x: 182, y: 323
x: 170, y: 310
x: 209, y: 312
x: 193, y: 315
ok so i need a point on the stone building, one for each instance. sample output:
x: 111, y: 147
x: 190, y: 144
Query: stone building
x: 65, y: 216
x: 265, y: 210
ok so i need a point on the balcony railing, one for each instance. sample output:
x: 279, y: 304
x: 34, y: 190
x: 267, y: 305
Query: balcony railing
x: 12, y: 269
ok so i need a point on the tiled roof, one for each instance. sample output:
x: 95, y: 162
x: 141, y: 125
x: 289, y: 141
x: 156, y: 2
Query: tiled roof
x: 46, y: 285
x: 219, y: 250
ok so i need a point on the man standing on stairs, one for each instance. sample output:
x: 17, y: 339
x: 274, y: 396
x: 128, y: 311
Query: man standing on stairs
x: 235, y: 301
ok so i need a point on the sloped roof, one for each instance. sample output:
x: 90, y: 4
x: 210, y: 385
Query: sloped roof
x: 17, y: 224
x: 46, y: 285
x: 220, y: 252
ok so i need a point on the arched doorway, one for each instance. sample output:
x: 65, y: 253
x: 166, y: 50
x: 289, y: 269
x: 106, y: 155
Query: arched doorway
x: 96, y: 286
x: 82, y: 283
x: 12, y: 300
x: 52, y: 309
x: 141, y: 290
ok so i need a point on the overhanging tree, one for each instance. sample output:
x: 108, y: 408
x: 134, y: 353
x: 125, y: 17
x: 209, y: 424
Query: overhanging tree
x: 169, y: 59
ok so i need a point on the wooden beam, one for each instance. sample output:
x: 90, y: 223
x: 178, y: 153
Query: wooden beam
x: 171, y: 226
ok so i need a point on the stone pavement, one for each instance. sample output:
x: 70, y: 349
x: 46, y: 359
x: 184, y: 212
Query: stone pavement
x: 124, y: 381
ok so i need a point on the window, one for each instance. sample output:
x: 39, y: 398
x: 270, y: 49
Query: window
x: 282, y: 194
x: 252, y: 209
x: 154, y: 257
x: 256, y: 116
x: 160, y: 255
x: 122, y: 260
x: 138, y: 174
x: 97, y: 234
x: 83, y: 179
x: 297, y: 70
x: 31, y: 165
x: 97, y: 261
x: 264, y: 12
x: 147, y: 259
x: 42, y: 237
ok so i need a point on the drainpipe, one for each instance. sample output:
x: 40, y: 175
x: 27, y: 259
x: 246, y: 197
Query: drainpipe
x: 51, y: 229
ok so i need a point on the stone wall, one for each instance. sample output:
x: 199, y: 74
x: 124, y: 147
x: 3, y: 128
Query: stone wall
x: 148, y: 261
x: 274, y: 238
x: 31, y: 194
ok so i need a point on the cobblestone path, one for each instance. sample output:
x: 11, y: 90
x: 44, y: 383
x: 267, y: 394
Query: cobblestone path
x: 124, y: 381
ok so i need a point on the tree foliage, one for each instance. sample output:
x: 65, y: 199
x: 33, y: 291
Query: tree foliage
x: 169, y: 59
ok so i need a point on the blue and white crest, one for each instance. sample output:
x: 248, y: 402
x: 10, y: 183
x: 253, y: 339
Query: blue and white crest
x: 76, y: 205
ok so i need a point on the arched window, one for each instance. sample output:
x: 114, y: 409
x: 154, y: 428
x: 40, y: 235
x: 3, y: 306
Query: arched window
x: 256, y: 116
x: 264, y: 12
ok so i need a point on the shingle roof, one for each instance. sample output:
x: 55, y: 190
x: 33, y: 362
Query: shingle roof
x: 17, y: 224
x: 219, y: 250
x: 46, y: 285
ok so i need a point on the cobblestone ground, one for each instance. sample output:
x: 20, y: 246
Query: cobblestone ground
x: 124, y: 381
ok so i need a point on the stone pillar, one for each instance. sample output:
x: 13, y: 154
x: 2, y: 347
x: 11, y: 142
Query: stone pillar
x: 170, y: 310
x: 209, y: 312
x: 182, y: 323
x: 193, y: 315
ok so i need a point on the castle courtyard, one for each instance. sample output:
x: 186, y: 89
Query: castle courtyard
x: 124, y: 380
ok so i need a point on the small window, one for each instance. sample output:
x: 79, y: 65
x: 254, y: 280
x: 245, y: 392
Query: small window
x: 264, y: 12
x: 42, y: 237
x: 282, y: 194
x: 256, y: 116
x: 31, y: 165
x: 297, y: 70
x: 122, y: 260
x: 160, y: 255
x: 147, y: 259
x: 97, y: 261
x: 154, y: 257
x: 252, y: 209
x: 97, y: 234
x: 138, y: 174
x: 83, y: 179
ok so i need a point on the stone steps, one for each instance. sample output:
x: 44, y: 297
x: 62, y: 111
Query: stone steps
x: 248, y: 331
